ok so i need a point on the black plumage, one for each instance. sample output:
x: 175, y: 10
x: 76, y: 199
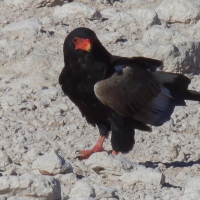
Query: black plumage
x: 118, y: 93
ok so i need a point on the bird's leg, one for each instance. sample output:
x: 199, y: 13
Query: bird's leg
x: 84, y: 154
x: 98, y: 147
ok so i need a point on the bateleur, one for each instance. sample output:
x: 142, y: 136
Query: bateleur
x: 118, y: 94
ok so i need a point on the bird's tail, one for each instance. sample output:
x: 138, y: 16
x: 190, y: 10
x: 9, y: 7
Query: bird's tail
x: 191, y: 95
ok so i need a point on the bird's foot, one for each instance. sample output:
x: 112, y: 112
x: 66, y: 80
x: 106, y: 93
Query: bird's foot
x: 84, y: 154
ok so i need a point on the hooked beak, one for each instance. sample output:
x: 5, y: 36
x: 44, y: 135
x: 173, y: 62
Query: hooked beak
x: 83, y: 44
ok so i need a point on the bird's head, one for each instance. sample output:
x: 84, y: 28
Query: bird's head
x: 80, y: 39
x: 83, y: 41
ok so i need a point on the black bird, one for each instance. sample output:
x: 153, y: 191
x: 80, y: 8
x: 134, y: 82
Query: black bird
x: 118, y: 94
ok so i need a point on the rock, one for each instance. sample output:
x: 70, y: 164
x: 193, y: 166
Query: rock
x: 102, y: 163
x: 111, y: 37
x: 108, y: 12
x: 23, y: 29
x: 182, y: 45
x: 53, y: 164
x: 182, y: 11
x: 144, y: 19
x: 134, y: 20
x: 81, y: 198
x: 66, y: 178
x: 76, y: 10
x: 48, y: 136
x: 103, y: 192
x: 16, y: 2
x: 82, y: 189
x: 31, y: 155
x: 42, y: 3
x: 120, y: 19
x: 145, y: 175
x: 37, y: 185
x: 192, y: 189
x: 133, y: 3
x: 5, y: 160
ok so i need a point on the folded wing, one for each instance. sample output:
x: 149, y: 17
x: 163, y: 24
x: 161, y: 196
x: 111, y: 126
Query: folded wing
x: 137, y: 94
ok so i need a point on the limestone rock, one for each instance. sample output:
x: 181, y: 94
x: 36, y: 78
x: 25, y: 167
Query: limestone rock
x: 51, y: 164
x: 102, y: 163
x: 134, y: 19
x: 144, y: 18
x: 182, y: 45
x: 182, y: 11
x: 23, y: 29
x: 76, y: 10
x: 16, y: 2
x: 38, y: 186
x: 4, y: 160
x: 192, y: 189
x: 103, y: 192
x: 82, y: 189
x: 145, y: 175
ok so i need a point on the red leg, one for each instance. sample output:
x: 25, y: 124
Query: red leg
x: 97, y: 148
x: 114, y: 152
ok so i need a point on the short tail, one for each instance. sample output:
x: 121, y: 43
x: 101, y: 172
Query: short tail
x: 192, y: 95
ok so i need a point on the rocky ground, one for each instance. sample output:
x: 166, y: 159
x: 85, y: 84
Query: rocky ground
x: 40, y: 128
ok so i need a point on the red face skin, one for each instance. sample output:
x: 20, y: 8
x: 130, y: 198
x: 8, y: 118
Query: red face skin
x: 82, y: 44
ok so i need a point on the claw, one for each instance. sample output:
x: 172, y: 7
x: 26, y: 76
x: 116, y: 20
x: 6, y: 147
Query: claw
x: 84, y: 154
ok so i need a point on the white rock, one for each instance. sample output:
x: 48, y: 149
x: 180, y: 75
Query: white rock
x: 182, y: 44
x: 145, y: 175
x: 23, y: 29
x: 81, y: 198
x: 132, y: 3
x: 108, y: 12
x: 103, y: 192
x: 31, y: 155
x: 107, y: 164
x: 4, y: 160
x: 135, y: 19
x: 37, y: 185
x: 144, y: 18
x: 120, y: 19
x: 53, y: 164
x: 66, y: 178
x: 76, y: 10
x: 48, y: 136
x: 82, y: 189
x: 184, y: 11
x: 110, y: 37
x: 192, y: 189
x: 16, y: 2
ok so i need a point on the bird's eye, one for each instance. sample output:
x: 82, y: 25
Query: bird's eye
x: 74, y: 39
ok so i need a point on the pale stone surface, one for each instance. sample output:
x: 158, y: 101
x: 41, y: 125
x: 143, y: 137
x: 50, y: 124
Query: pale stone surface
x: 82, y: 189
x: 76, y: 10
x: 192, y: 189
x: 23, y: 29
x: 143, y: 175
x: 183, y: 11
x: 16, y: 2
x: 108, y: 164
x: 51, y: 163
x: 37, y: 185
x: 103, y: 192
x: 4, y: 160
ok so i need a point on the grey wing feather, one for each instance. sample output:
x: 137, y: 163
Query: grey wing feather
x: 136, y: 94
